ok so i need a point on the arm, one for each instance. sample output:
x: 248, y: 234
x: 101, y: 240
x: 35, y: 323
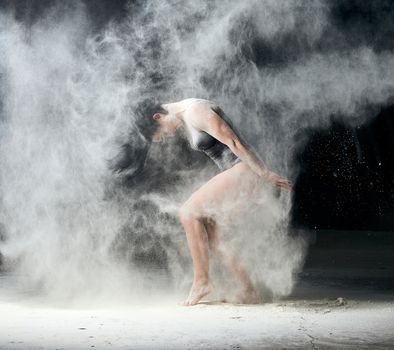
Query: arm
x: 218, y: 128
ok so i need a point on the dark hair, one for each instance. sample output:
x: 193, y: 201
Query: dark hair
x: 132, y: 154
x: 143, y: 117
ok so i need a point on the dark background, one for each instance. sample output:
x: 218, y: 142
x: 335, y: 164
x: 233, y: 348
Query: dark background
x: 347, y: 176
x: 347, y: 173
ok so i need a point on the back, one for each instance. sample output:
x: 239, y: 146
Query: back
x: 220, y: 153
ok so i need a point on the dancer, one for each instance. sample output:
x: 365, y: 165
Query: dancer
x: 209, y: 130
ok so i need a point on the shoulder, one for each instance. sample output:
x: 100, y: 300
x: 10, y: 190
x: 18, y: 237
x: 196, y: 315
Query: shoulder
x: 191, y: 99
x: 198, y: 111
x: 204, y: 117
x: 198, y: 105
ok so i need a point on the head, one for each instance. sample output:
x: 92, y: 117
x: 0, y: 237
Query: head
x: 154, y: 122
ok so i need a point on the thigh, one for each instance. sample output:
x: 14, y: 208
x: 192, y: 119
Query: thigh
x: 224, y: 194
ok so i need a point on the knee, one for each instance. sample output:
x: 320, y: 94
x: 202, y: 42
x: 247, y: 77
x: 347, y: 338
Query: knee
x: 213, y: 246
x: 186, y: 213
x: 216, y: 249
x: 190, y: 211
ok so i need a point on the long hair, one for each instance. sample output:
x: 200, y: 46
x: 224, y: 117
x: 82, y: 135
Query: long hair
x: 144, y: 122
x: 132, y: 154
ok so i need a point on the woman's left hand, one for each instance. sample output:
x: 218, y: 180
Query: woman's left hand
x: 278, y: 181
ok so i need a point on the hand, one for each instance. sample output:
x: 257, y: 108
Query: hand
x: 278, y: 181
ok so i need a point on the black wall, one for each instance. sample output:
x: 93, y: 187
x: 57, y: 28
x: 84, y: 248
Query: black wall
x: 347, y: 174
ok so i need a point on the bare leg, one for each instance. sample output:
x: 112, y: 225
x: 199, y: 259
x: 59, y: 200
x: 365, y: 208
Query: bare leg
x: 232, y: 264
x: 197, y: 240
x: 224, y: 191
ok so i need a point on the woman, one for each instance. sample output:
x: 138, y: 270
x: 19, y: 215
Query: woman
x: 209, y: 130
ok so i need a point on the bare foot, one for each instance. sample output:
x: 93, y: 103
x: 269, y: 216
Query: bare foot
x: 248, y: 297
x: 197, y: 292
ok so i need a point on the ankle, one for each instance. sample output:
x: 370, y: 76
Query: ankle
x: 200, y: 281
x: 250, y: 289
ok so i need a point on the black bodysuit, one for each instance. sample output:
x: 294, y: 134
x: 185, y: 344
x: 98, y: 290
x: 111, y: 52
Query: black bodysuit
x: 220, y: 153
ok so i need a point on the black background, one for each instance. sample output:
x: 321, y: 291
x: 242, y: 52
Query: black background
x: 347, y: 173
